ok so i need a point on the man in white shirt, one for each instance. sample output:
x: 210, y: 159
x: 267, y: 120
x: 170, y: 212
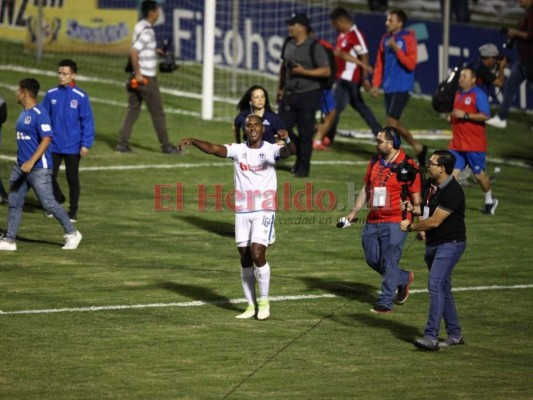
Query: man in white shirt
x: 143, y: 85
x: 255, y: 204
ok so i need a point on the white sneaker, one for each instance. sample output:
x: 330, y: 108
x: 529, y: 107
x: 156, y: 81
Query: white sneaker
x: 497, y: 122
x: 7, y: 245
x: 72, y: 241
x: 263, y: 311
x: 248, y: 313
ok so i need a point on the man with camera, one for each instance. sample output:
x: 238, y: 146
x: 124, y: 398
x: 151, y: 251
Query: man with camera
x: 299, y: 90
x: 391, y: 178
x: 143, y: 85
x: 522, y: 70
x: 490, y: 68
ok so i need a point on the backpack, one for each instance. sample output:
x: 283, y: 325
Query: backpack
x: 325, y: 83
x: 442, y: 100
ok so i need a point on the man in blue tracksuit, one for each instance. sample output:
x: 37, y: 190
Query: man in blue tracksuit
x: 72, y: 121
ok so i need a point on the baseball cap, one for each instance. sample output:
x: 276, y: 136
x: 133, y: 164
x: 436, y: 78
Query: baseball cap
x: 299, y: 19
x: 488, y: 50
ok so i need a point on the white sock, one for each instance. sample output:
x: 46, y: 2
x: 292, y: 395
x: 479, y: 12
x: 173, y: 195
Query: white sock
x: 248, y: 284
x: 488, y: 197
x: 263, y: 279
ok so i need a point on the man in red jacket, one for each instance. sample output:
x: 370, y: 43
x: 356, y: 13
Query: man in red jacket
x: 395, y: 71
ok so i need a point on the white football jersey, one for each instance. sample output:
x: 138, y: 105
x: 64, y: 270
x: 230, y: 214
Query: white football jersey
x: 255, y: 176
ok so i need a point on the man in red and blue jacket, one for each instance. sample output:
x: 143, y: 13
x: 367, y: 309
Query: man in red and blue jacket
x: 395, y: 71
x: 73, y: 124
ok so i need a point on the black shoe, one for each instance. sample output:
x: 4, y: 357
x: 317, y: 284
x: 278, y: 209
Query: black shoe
x: 427, y: 343
x: 3, y: 199
x: 377, y: 309
x: 172, y: 150
x: 123, y: 148
x: 72, y: 216
x: 490, y: 209
x: 403, y: 291
x: 421, y: 157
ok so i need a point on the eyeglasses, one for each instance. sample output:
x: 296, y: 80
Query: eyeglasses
x: 431, y: 164
x: 378, y: 142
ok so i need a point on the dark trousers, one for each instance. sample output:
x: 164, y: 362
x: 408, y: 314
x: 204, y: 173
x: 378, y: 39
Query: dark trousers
x: 148, y: 93
x: 347, y: 92
x: 299, y: 109
x: 72, y: 166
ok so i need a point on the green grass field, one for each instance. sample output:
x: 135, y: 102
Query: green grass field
x: 145, y: 308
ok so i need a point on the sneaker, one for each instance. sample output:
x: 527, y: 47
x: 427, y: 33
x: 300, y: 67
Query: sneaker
x: 72, y: 240
x: 491, y: 208
x: 48, y: 214
x: 317, y: 145
x: 377, y: 309
x: 7, y: 245
x: 421, y: 157
x: 263, y: 310
x: 248, y: 313
x: 427, y: 343
x: 123, y: 148
x: 452, y: 341
x: 73, y: 216
x: 496, y: 122
x: 403, y: 291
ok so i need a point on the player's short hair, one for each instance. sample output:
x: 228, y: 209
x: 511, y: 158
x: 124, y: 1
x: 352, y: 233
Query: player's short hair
x: 400, y: 14
x: 340, y: 13
x: 148, y: 6
x: 254, y: 116
x: 67, y: 62
x: 472, y: 71
x: 31, y: 85
x: 445, y: 159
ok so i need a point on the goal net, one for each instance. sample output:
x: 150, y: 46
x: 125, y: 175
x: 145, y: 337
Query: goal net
x: 248, y: 35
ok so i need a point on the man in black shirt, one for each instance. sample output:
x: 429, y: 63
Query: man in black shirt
x: 442, y: 220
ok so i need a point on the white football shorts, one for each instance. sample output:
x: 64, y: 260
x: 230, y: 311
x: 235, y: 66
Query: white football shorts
x: 255, y: 227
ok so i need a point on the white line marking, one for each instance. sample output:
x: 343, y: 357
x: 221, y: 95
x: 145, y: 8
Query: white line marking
x: 199, y: 303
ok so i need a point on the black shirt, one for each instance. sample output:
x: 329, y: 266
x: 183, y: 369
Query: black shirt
x: 450, y: 197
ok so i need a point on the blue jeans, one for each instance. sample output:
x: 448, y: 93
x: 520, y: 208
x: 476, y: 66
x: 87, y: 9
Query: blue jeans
x: 441, y: 260
x: 512, y: 87
x: 383, y: 246
x: 40, y: 180
x: 347, y: 92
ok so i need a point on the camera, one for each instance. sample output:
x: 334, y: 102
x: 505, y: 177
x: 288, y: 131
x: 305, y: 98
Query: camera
x: 405, y: 172
x: 168, y: 65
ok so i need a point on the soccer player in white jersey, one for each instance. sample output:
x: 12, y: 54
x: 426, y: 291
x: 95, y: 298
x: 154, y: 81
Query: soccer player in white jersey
x: 255, y: 204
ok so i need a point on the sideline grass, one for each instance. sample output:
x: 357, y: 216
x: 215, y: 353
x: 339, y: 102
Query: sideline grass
x: 330, y: 348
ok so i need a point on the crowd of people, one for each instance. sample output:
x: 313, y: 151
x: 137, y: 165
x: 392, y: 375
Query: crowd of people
x: 398, y: 200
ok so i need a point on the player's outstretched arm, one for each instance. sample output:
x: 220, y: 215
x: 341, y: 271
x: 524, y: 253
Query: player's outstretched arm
x: 206, y: 147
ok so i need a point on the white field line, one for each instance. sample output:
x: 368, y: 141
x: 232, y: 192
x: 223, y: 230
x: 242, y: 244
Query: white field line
x: 199, y: 303
x: 499, y: 161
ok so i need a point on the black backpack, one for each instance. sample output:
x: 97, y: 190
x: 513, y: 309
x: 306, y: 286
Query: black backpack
x: 444, y: 96
x: 325, y: 83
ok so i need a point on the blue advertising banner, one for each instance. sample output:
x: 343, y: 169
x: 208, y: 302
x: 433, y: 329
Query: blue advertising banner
x: 262, y: 29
